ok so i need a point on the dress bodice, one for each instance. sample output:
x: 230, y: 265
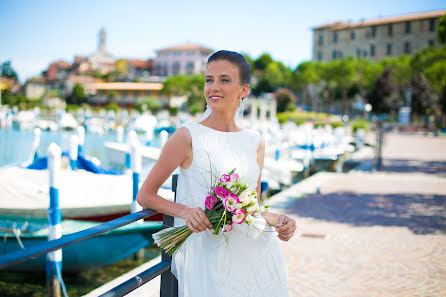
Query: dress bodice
x: 215, y: 153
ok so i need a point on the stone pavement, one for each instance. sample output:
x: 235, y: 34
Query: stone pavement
x: 373, y: 234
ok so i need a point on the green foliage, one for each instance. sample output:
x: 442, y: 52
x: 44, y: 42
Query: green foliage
x: 291, y: 107
x: 299, y: 122
x: 381, y: 96
x: 112, y: 106
x: 441, y: 29
x: 72, y: 107
x: 282, y: 118
x: 148, y: 103
x: 335, y: 125
x: 359, y: 124
x: 422, y: 99
x: 436, y: 74
x: 319, y: 124
x: 195, y: 108
x: 8, y: 71
x: 263, y: 61
x: 283, y: 101
x: 77, y: 95
x: 173, y: 111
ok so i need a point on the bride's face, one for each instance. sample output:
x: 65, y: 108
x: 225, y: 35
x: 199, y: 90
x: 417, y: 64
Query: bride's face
x: 222, y: 86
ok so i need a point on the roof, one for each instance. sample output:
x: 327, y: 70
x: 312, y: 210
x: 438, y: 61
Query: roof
x: 138, y: 63
x: 124, y: 86
x: 188, y: 46
x: 82, y: 79
x: 385, y: 20
x: 61, y: 64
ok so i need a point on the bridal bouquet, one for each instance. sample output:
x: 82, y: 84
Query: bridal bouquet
x: 228, y: 202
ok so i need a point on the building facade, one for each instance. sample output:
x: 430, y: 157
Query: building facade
x: 188, y: 58
x: 378, y: 38
x: 126, y: 94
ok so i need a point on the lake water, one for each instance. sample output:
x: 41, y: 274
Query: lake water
x: 15, y: 145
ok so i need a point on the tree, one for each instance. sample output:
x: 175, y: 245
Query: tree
x: 262, y: 62
x: 380, y: 97
x: 78, y: 94
x: 306, y: 74
x: 277, y: 75
x: 441, y: 29
x: 422, y: 99
x: 345, y: 78
x: 286, y: 100
x: 8, y: 71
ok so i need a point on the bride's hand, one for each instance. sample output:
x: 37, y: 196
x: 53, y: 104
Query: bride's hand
x: 196, y: 220
x: 286, y: 227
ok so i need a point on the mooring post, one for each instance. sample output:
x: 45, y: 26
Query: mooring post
x: 54, y: 259
x: 136, y: 164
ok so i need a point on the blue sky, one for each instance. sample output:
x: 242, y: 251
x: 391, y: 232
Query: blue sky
x: 34, y: 33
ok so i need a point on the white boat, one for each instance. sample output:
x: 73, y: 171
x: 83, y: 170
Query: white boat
x: 116, y: 153
x: 82, y: 195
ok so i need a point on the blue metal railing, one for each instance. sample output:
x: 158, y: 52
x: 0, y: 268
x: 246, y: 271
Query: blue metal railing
x: 168, y: 281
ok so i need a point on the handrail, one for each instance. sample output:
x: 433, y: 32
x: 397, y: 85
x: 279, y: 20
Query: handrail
x: 34, y: 251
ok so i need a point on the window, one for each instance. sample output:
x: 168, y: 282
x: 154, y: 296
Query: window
x: 389, y: 49
x: 176, y: 67
x: 320, y: 41
x: 431, y: 43
x: 190, y: 54
x: 177, y: 53
x: 364, y: 53
x: 358, y: 53
x: 333, y: 54
x: 372, y: 50
x: 335, y: 37
x: 352, y: 35
x: 407, y: 48
x: 408, y: 27
x: 319, y: 56
x: 190, y: 67
x: 340, y: 54
x: 373, y: 31
x: 390, y: 30
x: 148, y: 93
x: 124, y: 93
x: 432, y: 25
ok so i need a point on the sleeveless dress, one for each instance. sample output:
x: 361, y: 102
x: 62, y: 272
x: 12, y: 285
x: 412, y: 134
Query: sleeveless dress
x: 245, y: 262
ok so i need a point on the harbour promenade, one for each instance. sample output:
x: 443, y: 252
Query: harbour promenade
x: 366, y: 233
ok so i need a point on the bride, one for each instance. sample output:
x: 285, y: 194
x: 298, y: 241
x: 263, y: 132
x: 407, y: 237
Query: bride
x: 246, y: 261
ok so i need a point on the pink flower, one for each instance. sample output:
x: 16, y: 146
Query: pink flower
x: 239, y: 216
x: 221, y: 192
x: 225, y: 178
x: 230, y: 202
x: 228, y: 228
x: 210, y: 202
x: 234, y: 177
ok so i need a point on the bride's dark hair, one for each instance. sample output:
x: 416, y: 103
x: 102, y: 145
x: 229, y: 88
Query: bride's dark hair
x: 238, y: 60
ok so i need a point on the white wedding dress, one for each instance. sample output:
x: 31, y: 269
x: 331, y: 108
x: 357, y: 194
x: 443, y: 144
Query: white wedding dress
x: 246, y: 262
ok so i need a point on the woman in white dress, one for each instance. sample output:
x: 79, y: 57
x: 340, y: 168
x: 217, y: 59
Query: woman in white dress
x: 246, y: 261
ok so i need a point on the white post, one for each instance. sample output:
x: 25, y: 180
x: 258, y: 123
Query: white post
x: 149, y: 136
x: 253, y: 110
x: 273, y: 111
x: 74, y: 143
x: 81, y: 135
x: 136, y: 164
x: 131, y: 137
x: 163, y: 137
x: 54, y: 259
x: 262, y: 110
x: 120, y: 134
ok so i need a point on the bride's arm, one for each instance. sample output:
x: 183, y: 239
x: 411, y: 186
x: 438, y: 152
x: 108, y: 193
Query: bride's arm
x: 270, y: 217
x: 285, y: 225
x: 177, y: 151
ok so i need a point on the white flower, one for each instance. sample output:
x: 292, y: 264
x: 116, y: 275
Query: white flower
x: 252, y: 208
x: 246, y: 202
x: 238, y: 205
x: 260, y: 209
x: 242, y: 181
x: 229, y: 185
x: 249, y: 219
x: 244, y: 195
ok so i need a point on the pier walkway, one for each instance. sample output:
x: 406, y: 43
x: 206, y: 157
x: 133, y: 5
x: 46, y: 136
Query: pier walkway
x: 368, y: 233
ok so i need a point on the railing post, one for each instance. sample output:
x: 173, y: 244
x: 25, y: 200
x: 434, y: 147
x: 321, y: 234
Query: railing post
x: 54, y: 259
x: 169, y: 284
x: 136, y: 164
